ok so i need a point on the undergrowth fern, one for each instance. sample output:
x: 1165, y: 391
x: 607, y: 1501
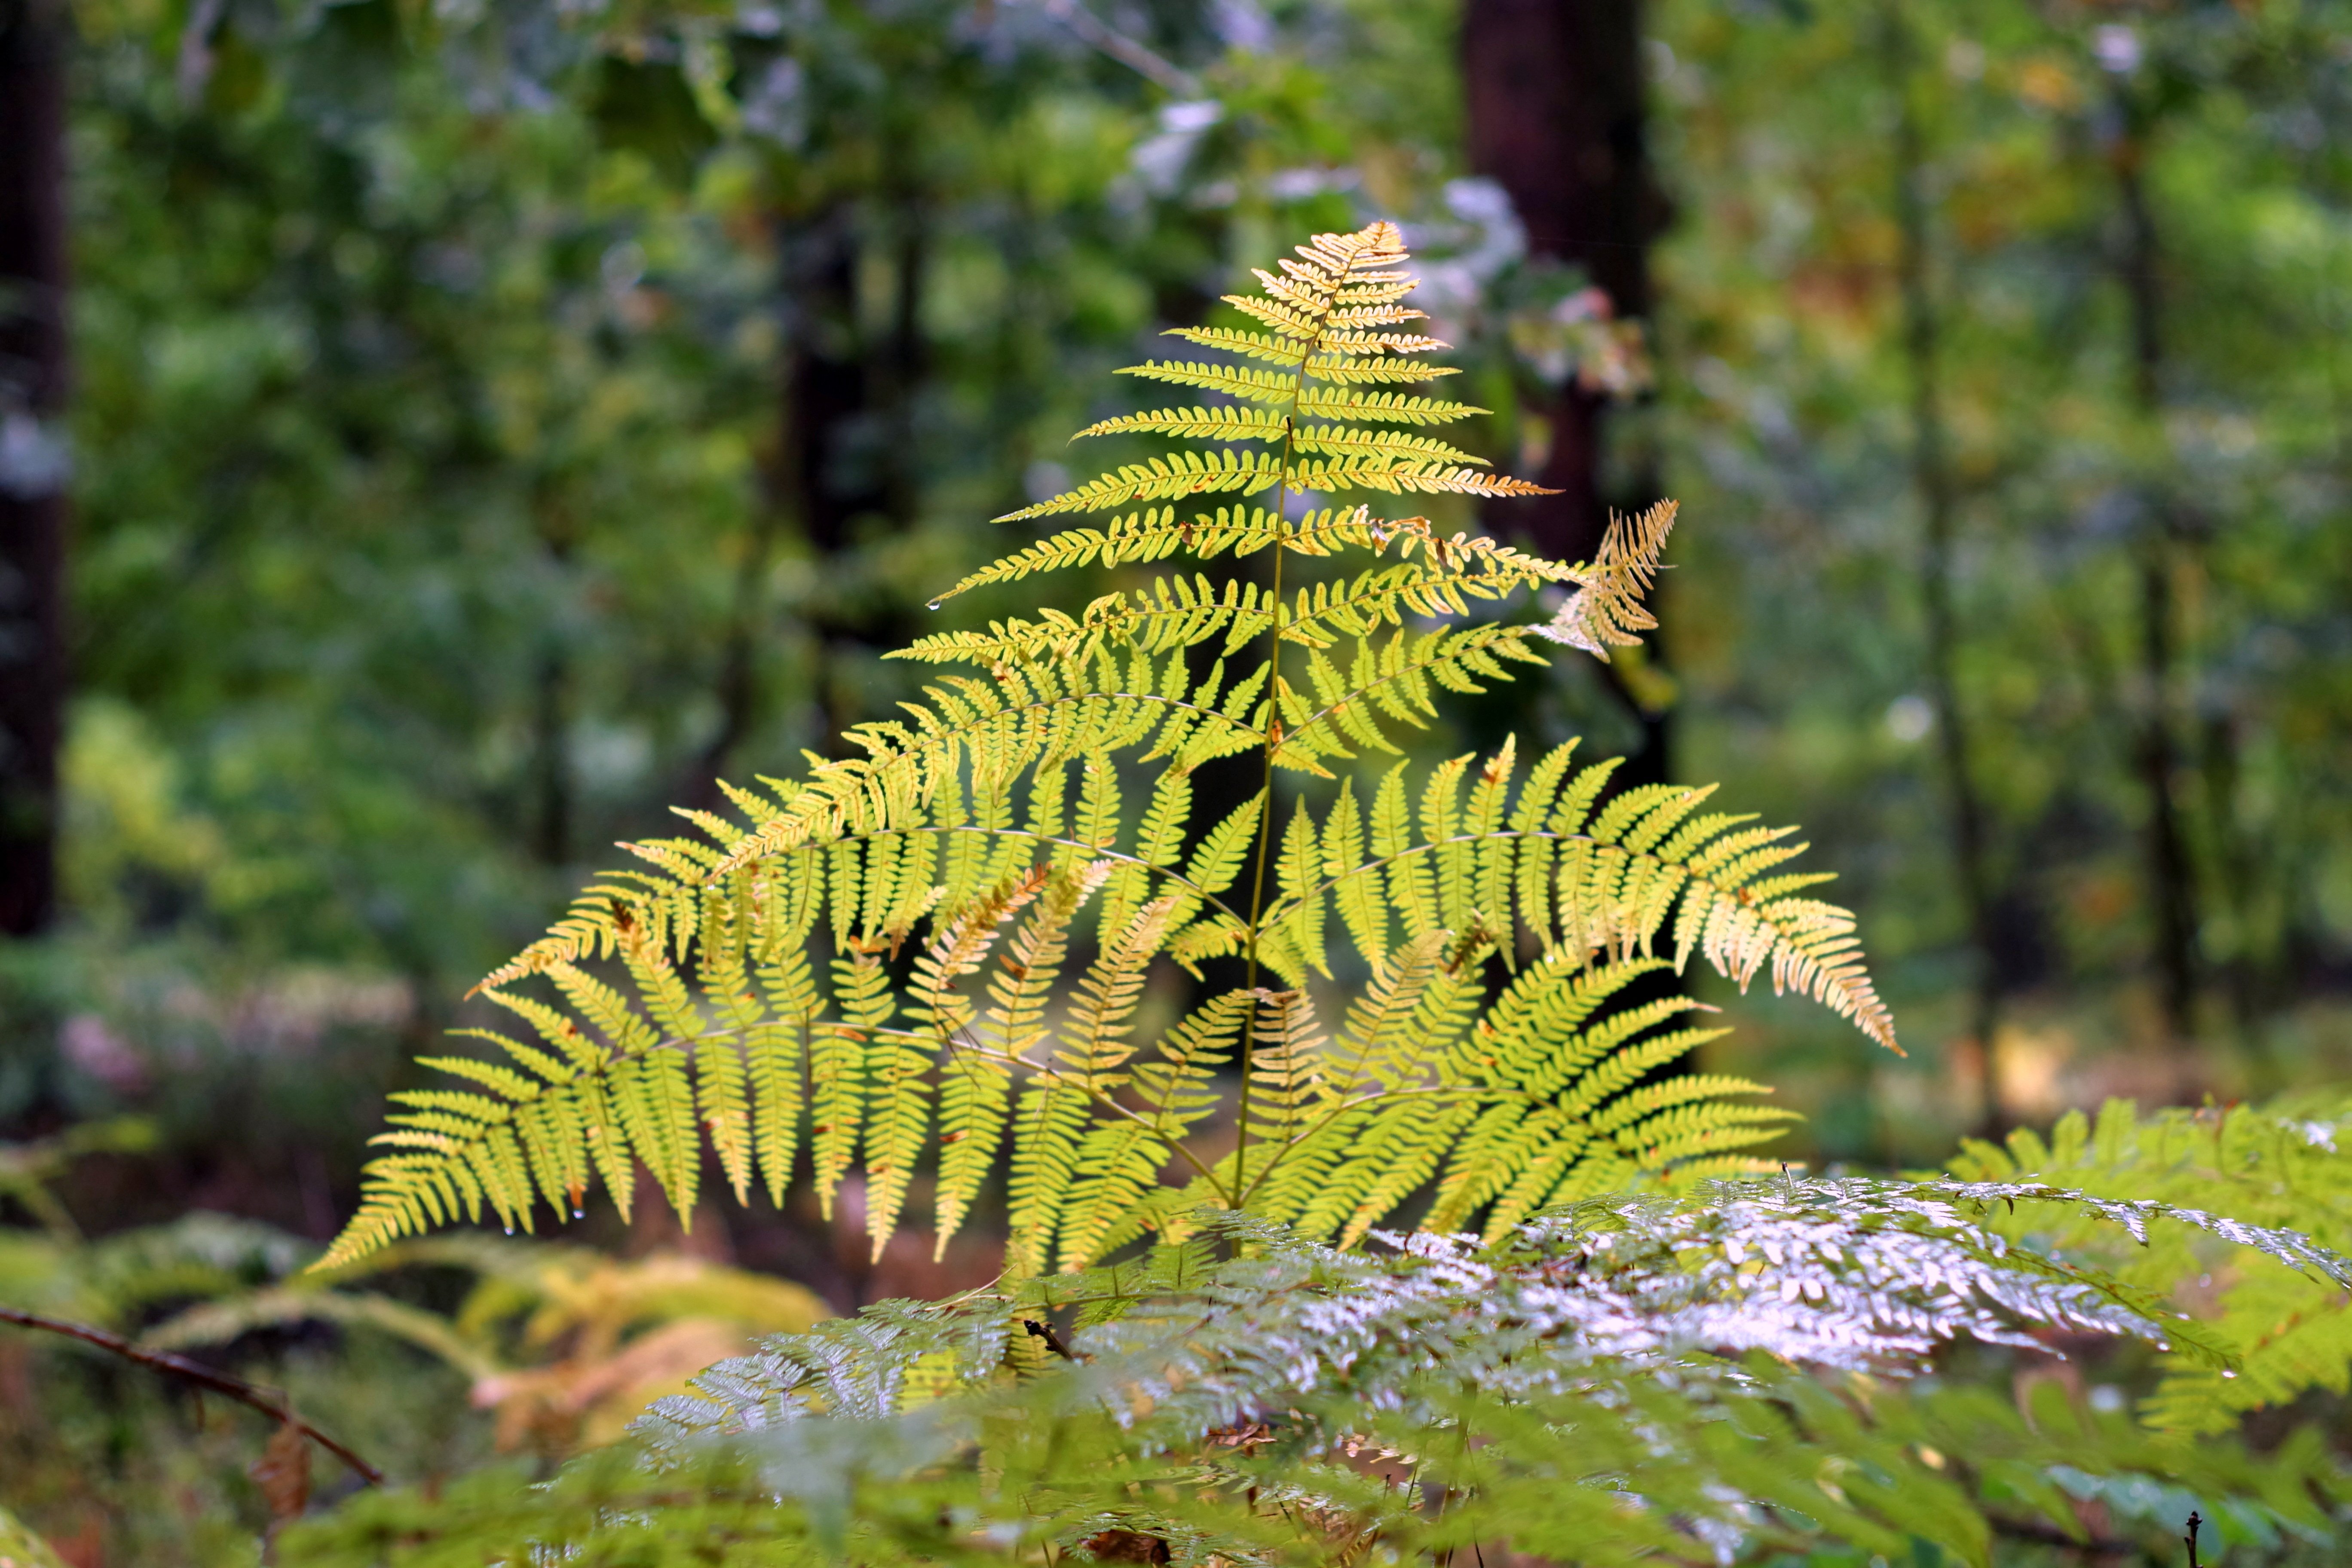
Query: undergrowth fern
x: 935, y: 953
x: 2286, y: 1332
x: 1691, y: 1376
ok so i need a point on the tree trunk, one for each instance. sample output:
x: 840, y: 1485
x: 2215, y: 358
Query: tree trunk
x: 823, y: 393
x: 1555, y: 117
x: 1931, y: 477
x: 831, y: 469
x: 2171, y: 875
x: 1554, y: 91
x: 832, y: 473
x: 1555, y: 103
x: 33, y: 59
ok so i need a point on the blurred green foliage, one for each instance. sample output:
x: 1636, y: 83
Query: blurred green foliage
x: 397, y: 331
x: 1788, y: 408
x: 430, y: 1360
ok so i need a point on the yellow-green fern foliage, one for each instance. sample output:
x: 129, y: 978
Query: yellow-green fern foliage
x: 934, y: 957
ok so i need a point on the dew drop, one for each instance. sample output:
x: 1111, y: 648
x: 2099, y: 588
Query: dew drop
x: 579, y: 1214
x: 509, y: 1230
x: 935, y: 603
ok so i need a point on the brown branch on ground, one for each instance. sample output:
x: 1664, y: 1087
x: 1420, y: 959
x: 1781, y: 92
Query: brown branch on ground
x: 202, y: 1376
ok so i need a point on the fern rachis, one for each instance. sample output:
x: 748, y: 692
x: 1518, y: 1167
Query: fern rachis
x: 931, y: 951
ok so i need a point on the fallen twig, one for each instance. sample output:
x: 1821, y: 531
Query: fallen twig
x: 179, y: 1366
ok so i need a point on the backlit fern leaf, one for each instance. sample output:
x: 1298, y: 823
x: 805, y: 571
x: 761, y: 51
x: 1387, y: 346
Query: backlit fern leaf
x: 930, y: 954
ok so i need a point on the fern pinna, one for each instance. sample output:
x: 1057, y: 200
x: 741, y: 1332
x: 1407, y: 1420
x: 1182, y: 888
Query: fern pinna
x: 939, y: 948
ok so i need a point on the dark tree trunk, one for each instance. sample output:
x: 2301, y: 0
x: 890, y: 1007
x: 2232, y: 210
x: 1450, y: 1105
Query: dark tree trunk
x: 830, y: 469
x: 1555, y: 102
x: 2158, y: 751
x: 905, y: 361
x: 846, y: 457
x: 553, y: 795
x: 1554, y: 91
x: 824, y: 400
x: 1931, y: 477
x: 1555, y: 117
x: 32, y: 481
x: 550, y: 730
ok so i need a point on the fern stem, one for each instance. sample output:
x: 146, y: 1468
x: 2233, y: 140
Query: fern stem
x: 1274, y: 739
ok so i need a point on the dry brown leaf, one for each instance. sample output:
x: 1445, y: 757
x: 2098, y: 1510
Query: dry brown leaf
x: 591, y: 1397
x: 283, y: 1474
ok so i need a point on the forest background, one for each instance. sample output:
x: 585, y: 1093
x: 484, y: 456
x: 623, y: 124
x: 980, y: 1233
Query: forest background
x: 461, y: 431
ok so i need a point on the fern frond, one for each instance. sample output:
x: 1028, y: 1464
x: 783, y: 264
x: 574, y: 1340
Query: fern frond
x: 1396, y: 680
x: 1347, y: 370
x: 1085, y: 1071
x: 1668, y: 1344
x: 1224, y: 424
x: 1346, y: 407
x: 1609, y: 888
x: 1607, y: 610
x: 1250, y: 345
x: 1340, y: 441
x: 1405, y: 476
x: 870, y: 967
x: 1157, y: 533
x: 1255, y: 385
x: 1163, y: 479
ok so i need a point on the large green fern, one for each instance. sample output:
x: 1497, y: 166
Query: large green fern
x: 938, y: 950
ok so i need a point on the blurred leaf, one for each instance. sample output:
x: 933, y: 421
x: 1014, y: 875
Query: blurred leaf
x: 20, y: 1547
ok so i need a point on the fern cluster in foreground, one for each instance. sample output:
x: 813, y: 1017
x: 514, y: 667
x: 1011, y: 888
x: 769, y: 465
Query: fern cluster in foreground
x: 933, y: 955
x: 1635, y: 1378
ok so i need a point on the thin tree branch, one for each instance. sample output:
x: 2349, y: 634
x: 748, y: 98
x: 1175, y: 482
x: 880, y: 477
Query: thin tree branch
x: 1141, y: 59
x: 202, y: 1376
